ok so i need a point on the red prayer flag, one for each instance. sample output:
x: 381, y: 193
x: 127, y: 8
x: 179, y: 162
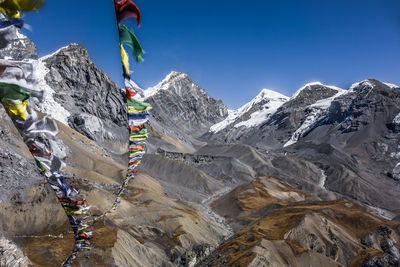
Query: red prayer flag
x: 126, y: 9
x: 138, y: 147
x: 130, y: 93
x: 135, y: 129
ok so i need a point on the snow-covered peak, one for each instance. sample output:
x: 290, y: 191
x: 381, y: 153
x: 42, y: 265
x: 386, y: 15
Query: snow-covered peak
x: 308, y: 85
x: 316, y: 111
x: 369, y: 84
x: 365, y: 83
x: 274, y: 101
x: 268, y: 94
x: 58, y: 51
x: 165, y: 84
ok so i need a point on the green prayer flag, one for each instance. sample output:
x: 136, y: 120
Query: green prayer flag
x: 139, y: 105
x: 9, y: 91
x: 127, y: 37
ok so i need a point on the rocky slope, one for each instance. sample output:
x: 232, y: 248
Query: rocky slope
x: 28, y: 205
x: 149, y: 228
x: 281, y: 226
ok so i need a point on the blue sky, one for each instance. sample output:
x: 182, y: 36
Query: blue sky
x: 234, y: 48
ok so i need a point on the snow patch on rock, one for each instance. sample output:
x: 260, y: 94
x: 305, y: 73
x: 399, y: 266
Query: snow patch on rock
x: 322, y: 181
x: 232, y: 116
x: 382, y: 213
x: 365, y: 83
x: 56, y: 52
x: 275, y: 101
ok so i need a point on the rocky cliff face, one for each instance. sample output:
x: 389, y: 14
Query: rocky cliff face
x: 95, y: 103
x: 178, y: 101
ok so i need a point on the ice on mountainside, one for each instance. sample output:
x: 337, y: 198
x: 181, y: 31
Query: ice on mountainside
x: 322, y: 181
x: 275, y: 100
x: 48, y: 105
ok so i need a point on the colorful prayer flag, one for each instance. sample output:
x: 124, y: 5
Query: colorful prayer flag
x: 127, y: 37
x: 125, y: 60
x: 126, y: 9
x: 12, y: 7
x: 9, y: 91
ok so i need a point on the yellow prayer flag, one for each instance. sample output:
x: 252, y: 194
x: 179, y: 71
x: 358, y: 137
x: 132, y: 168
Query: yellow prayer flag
x: 134, y: 110
x: 16, y: 109
x: 125, y: 60
x: 12, y: 7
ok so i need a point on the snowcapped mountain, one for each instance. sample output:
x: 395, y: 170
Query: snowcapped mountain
x: 316, y: 110
x: 178, y: 101
x: 263, y: 105
x: 168, y: 83
x: 314, y: 88
x: 294, y: 117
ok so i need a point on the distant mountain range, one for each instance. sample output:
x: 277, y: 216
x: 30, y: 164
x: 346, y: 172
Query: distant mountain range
x: 307, y: 180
